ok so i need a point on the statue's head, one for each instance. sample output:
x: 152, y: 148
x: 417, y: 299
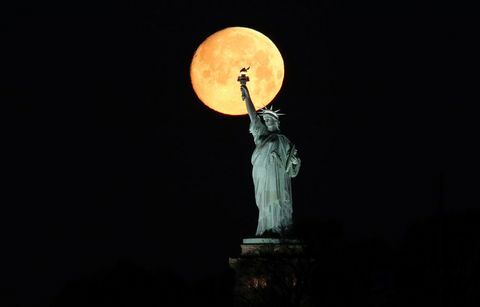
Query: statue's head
x: 271, y: 118
x: 272, y: 123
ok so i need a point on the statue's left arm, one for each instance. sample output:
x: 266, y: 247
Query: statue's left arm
x: 293, y: 163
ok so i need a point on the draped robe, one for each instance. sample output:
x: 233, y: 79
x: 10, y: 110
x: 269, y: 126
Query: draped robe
x: 272, y: 180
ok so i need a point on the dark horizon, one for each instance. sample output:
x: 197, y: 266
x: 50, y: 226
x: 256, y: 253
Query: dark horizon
x: 112, y: 161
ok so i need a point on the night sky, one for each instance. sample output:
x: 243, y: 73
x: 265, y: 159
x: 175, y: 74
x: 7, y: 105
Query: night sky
x: 111, y: 157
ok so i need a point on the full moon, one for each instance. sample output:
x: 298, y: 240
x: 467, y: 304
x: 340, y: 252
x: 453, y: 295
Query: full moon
x: 217, y: 62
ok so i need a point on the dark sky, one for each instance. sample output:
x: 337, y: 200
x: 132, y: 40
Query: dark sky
x: 111, y: 155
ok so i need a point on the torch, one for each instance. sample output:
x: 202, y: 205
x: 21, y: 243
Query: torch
x: 243, y: 78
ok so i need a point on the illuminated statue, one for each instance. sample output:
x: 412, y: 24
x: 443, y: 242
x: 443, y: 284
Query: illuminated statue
x: 274, y: 162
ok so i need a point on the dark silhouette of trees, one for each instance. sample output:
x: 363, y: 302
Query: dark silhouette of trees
x: 441, y: 261
x: 125, y: 284
x: 437, y: 263
x: 129, y: 284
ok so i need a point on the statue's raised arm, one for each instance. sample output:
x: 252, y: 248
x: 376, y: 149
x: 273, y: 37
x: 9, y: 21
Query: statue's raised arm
x: 248, y: 100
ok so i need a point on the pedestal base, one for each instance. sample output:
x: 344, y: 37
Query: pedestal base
x: 271, y: 272
x: 271, y: 247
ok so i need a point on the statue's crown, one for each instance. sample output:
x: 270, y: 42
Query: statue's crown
x: 267, y: 111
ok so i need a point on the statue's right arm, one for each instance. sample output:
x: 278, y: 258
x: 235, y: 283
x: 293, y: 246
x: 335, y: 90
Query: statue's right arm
x: 250, y: 108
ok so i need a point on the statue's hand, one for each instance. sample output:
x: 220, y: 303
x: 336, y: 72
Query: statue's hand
x: 294, y: 159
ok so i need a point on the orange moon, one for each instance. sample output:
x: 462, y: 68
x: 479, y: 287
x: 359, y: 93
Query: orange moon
x: 217, y: 62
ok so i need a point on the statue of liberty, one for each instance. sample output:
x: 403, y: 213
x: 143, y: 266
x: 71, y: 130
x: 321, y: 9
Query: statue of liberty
x: 274, y: 162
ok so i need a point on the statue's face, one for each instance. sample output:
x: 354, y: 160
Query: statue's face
x: 271, y: 122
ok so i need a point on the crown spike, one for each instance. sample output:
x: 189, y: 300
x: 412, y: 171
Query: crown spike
x: 269, y: 111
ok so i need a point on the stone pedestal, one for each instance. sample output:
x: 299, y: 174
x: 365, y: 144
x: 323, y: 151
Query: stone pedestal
x: 272, y: 272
